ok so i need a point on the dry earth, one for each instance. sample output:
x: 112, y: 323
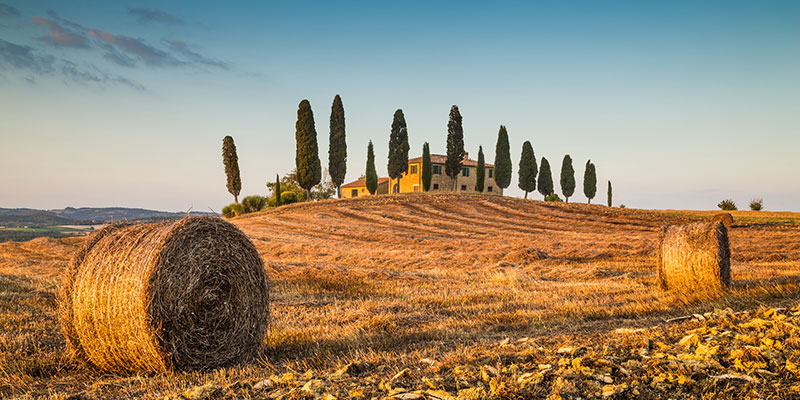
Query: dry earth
x: 457, y: 295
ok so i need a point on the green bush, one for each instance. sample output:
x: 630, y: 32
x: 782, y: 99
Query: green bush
x: 757, y: 204
x: 232, y: 210
x: 272, y: 203
x: 727, y: 205
x: 254, y: 203
x: 553, y: 197
x: 288, y: 197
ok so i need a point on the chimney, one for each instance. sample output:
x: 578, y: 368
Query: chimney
x: 466, y: 155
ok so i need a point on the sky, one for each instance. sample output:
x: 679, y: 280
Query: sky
x: 679, y: 104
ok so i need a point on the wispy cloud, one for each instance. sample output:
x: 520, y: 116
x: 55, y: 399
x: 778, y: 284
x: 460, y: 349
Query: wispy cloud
x: 24, y: 58
x: 180, y: 47
x: 59, y: 36
x: 144, y: 15
x: 6, y: 11
x: 135, y: 48
x: 27, y: 59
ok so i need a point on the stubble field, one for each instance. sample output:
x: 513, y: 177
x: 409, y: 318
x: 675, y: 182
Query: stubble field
x: 431, y: 283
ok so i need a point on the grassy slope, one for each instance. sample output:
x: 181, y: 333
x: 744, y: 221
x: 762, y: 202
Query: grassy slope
x: 394, y: 280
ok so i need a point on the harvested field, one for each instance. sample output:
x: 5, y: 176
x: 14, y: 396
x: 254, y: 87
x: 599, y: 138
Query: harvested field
x: 394, y: 282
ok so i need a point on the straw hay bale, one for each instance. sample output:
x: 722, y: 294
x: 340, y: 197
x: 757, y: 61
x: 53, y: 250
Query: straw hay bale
x: 188, y: 294
x: 725, y: 218
x: 695, y: 258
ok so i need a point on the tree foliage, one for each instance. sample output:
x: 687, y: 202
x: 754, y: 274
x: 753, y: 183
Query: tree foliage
x: 567, y: 178
x: 527, y: 169
x: 502, y: 159
x: 288, y: 183
x: 480, y: 171
x: 309, y: 170
x: 455, y: 145
x: 277, y: 190
x: 609, y: 194
x: 398, y: 148
x: 371, y: 174
x: 589, y: 181
x: 337, y: 145
x: 545, y: 179
x: 727, y: 205
x: 427, y: 167
x: 231, y: 162
x: 757, y: 204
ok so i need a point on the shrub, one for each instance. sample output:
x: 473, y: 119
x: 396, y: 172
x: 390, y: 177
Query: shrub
x: 232, y: 210
x: 254, y: 203
x: 553, y: 197
x: 288, y: 197
x: 727, y: 205
x: 622, y: 206
x: 757, y: 204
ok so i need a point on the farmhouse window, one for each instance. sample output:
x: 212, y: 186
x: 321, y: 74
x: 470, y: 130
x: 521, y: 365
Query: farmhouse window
x: 465, y: 171
x: 489, y: 189
x: 412, y: 170
x: 435, y: 186
x: 437, y: 169
x: 463, y: 187
x: 354, y: 193
x: 490, y: 175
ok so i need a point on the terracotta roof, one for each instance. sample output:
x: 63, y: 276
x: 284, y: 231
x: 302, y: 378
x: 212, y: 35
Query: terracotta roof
x: 363, y: 182
x: 440, y: 159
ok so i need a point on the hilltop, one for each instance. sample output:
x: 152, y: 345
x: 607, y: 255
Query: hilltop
x: 466, y: 291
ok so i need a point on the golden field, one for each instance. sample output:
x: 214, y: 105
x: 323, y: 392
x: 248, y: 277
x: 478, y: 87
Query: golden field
x: 452, y: 295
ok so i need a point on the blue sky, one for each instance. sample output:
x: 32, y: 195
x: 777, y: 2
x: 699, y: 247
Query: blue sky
x: 125, y: 104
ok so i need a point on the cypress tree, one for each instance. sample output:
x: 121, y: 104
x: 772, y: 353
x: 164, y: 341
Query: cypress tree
x: 337, y: 146
x: 527, y: 169
x: 398, y: 149
x: 427, y: 167
x: 502, y: 159
x: 589, y: 181
x: 545, y: 179
x: 609, y: 193
x: 480, y: 171
x: 567, y: 178
x: 231, y: 162
x: 309, y: 170
x: 277, y: 190
x: 371, y: 175
x: 455, y: 146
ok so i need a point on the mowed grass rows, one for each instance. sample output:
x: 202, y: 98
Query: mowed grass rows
x: 403, y: 277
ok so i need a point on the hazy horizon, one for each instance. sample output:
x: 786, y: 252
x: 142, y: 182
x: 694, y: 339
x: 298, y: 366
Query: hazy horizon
x: 680, y: 105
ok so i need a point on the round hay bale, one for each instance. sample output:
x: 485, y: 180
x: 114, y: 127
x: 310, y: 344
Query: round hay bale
x: 188, y: 294
x: 695, y: 258
x: 725, y: 218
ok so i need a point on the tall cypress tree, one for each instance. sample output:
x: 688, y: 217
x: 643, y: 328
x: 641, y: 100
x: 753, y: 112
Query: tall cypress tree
x: 567, y: 178
x: 545, y: 179
x: 277, y: 190
x: 589, y: 181
x: 480, y: 171
x: 231, y: 162
x: 398, y: 149
x: 527, y: 169
x: 455, y: 146
x: 609, y: 193
x: 337, y: 146
x: 309, y: 170
x: 371, y: 175
x: 427, y: 167
x: 502, y: 159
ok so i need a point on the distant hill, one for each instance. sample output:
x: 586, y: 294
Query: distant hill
x: 108, y: 214
x: 21, y: 217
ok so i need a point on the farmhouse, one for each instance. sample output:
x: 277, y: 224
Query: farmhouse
x: 359, y: 188
x: 412, y: 181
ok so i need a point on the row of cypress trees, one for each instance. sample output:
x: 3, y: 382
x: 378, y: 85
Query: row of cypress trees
x: 309, y: 169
